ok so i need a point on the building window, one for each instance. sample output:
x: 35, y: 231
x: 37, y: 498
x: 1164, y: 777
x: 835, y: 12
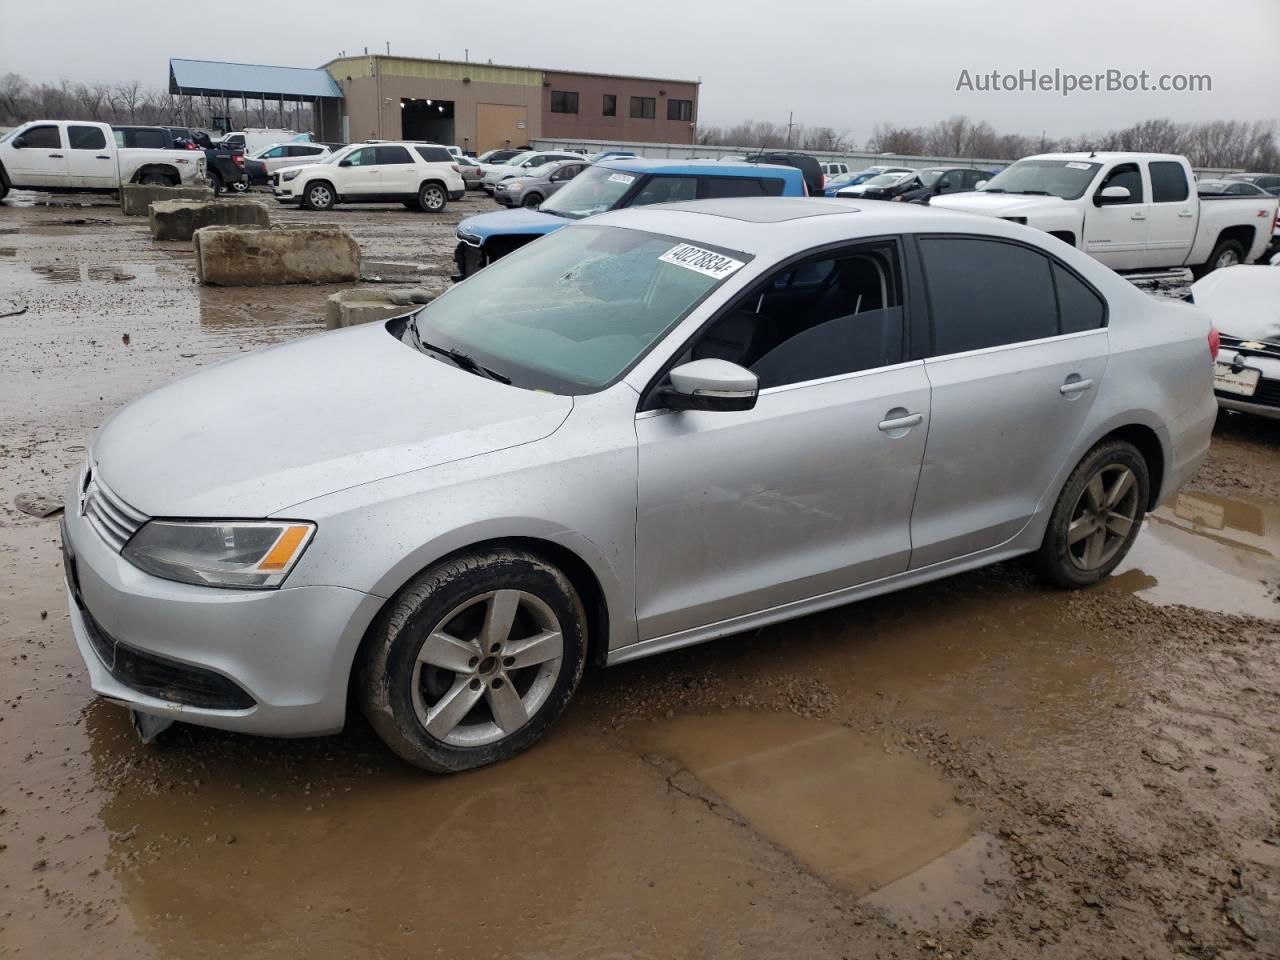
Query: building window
x: 679, y: 109
x: 642, y: 108
x: 610, y: 105
x: 564, y: 101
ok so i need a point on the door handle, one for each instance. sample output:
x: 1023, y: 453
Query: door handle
x: 55, y: 156
x: 1138, y: 216
x: 901, y: 423
x: 1186, y: 214
x: 102, y: 156
x: 1072, y: 387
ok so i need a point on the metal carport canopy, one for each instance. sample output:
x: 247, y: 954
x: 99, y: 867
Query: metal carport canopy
x: 213, y: 78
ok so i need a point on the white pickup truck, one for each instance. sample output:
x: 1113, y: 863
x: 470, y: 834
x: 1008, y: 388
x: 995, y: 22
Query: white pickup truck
x: 64, y: 156
x: 1132, y: 211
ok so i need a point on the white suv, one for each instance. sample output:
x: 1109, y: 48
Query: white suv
x: 421, y: 176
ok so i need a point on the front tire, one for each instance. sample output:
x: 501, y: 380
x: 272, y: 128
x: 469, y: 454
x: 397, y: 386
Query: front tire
x: 533, y: 200
x: 474, y: 660
x: 432, y: 198
x: 1096, y: 518
x: 319, y: 196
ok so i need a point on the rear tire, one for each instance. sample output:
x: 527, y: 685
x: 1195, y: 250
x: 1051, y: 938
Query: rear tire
x: 319, y: 196
x: 1097, y: 517
x: 153, y: 178
x: 1227, y: 253
x: 444, y: 706
x: 432, y: 198
x: 215, y: 181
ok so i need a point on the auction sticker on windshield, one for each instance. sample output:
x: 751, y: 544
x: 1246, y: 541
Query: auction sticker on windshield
x: 1075, y: 165
x: 703, y: 261
x: 620, y: 178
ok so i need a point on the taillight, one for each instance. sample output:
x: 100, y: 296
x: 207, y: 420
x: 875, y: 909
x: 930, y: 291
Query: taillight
x: 192, y: 146
x: 1215, y: 341
x: 238, y: 159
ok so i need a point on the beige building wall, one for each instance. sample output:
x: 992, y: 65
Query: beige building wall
x: 590, y: 123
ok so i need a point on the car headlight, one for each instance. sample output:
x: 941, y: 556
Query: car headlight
x: 289, y: 175
x: 252, y: 555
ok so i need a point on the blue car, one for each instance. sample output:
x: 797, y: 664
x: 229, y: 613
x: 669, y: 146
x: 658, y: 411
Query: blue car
x: 621, y: 182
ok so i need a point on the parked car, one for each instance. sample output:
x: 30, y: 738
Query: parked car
x: 648, y: 430
x: 921, y: 186
x: 1229, y: 188
x: 498, y: 156
x: 255, y: 138
x: 609, y: 155
x: 1269, y: 182
x: 878, y: 182
x: 1244, y: 303
x: 836, y: 184
x: 225, y: 168
x: 1133, y: 211
x: 611, y: 185
x: 813, y: 176
x: 73, y: 156
x: 260, y: 164
x: 834, y: 168
x: 532, y: 190
x: 421, y: 176
x: 472, y: 172
x: 522, y: 165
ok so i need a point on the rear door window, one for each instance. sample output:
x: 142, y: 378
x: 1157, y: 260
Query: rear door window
x: 718, y: 188
x: 86, y: 138
x: 1168, y: 182
x: 394, y: 154
x: 986, y: 293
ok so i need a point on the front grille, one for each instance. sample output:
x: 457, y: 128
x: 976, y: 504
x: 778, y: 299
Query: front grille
x: 111, y: 518
x: 1268, y: 393
x: 161, y: 677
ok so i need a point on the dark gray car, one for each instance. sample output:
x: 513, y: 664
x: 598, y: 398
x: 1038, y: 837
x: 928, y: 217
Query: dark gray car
x: 531, y: 191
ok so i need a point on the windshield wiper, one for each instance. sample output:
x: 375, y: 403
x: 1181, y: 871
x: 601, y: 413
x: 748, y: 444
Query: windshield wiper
x: 460, y: 360
x: 1037, y: 193
x: 993, y: 190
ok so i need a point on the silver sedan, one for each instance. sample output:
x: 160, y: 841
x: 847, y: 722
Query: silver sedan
x: 649, y: 429
x: 532, y: 190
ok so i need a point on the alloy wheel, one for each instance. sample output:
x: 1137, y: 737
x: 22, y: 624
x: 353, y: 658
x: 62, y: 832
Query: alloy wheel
x: 486, y: 668
x: 1228, y: 258
x: 1103, y: 517
x: 320, y: 196
x: 433, y: 198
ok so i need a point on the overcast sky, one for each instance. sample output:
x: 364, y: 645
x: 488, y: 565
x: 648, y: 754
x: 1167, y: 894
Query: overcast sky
x: 844, y: 65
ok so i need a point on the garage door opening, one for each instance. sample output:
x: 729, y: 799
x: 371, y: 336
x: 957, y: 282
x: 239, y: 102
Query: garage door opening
x: 427, y: 120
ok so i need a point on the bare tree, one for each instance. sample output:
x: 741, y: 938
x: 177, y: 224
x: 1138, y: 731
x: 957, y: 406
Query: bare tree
x: 125, y: 100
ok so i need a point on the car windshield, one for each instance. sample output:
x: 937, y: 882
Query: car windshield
x: 518, y: 159
x: 593, y: 191
x: 1067, y: 179
x: 884, y: 179
x: 930, y: 177
x: 339, y: 154
x: 572, y: 311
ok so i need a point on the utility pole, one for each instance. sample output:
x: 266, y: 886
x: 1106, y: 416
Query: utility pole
x: 790, y: 118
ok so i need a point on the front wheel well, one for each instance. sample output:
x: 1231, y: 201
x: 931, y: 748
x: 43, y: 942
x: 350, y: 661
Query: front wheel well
x: 1066, y: 236
x: 579, y: 572
x: 1148, y: 444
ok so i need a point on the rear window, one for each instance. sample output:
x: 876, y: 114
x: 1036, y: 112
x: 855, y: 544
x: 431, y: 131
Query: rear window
x: 435, y: 154
x: 720, y: 188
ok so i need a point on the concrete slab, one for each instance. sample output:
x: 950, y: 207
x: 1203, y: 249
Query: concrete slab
x: 250, y: 256
x: 136, y: 198
x: 179, y: 219
x: 348, y: 308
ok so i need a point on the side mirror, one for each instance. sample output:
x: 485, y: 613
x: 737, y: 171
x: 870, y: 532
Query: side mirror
x: 1112, y: 195
x: 344, y: 163
x: 711, y: 384
x: 980, y: 184
x: 19, y: 142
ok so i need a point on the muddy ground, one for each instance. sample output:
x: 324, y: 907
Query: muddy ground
x: 976, y: 768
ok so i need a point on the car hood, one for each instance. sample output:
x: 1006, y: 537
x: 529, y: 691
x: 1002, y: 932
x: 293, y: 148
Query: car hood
x: 496, y: 171
x: 506, y: 222
x: 998, y: 204
x: 1243, y: 301
x: 254, y: 435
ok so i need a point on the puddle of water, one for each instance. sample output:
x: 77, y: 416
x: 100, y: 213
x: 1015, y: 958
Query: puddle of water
x: 854, y: 811
x: 1210, y: 552
x: 947, y: 891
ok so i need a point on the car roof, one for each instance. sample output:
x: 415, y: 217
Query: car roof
x: 780, y: 226
x: 1101, y: 155
x: 695, y: 167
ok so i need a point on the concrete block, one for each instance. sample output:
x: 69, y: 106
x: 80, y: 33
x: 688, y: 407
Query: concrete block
x: 136, y: 198
x: 347, y: 308
x: 250, y: 256
x: 179, y: 219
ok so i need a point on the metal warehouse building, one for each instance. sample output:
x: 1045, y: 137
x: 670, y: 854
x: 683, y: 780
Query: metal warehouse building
x: 478, y: 106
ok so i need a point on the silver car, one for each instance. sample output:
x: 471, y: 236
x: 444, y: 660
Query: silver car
x: 532, y: 190
x: 648, y: 429
x: 472, y: 173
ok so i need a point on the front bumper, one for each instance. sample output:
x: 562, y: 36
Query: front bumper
x: 269, y: 662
